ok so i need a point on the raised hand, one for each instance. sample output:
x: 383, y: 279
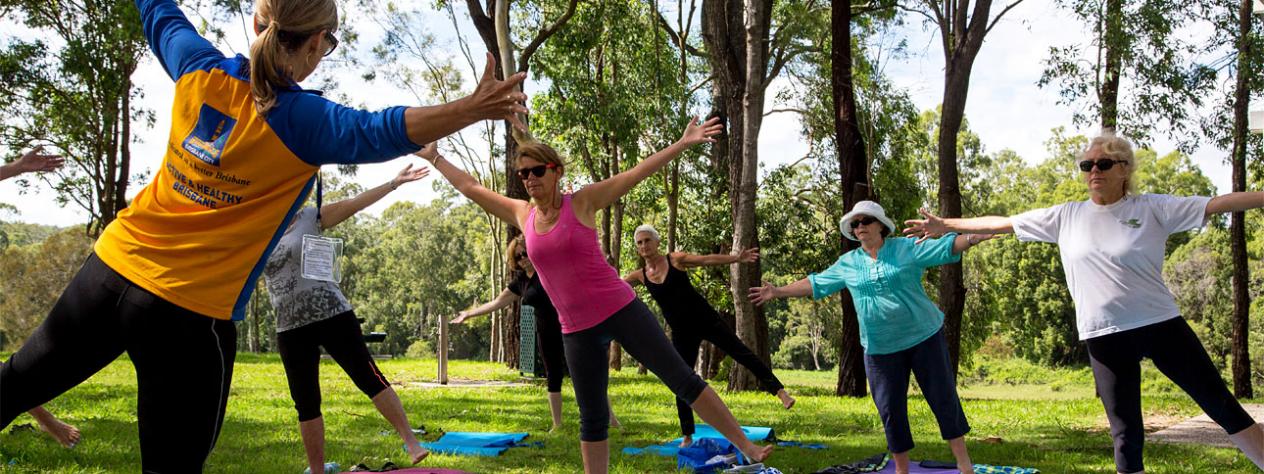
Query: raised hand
x: 762, y: 294
x: 696, y: 133
x: 749, y: 255
x: 429, y: 152
x: 930, y: 227
x: 408, y: 174
x: 35, y: 160
x: 460, y: 317
x: 495, y: 99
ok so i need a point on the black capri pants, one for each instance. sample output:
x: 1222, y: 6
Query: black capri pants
x: 1176, y: 351
x: 342, y: 339
x: 548, y: 335
x: 687, y: 341
x: 889, y: 379
x: 183, y: 361
x: 636, y: 328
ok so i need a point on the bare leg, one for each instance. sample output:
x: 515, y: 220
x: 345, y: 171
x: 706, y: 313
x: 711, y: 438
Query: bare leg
x: 713, y: 411
x: 596, y: 456
x: 313, y: 432
x: 786, y: 400
x: 64, y: 433
x: 901, y: 462
x: 686, y: 440
x: 614, y: 422
x: 387, y: 403
x: 1251, y: 442
x: 555, y: 408
x: 958, y: 446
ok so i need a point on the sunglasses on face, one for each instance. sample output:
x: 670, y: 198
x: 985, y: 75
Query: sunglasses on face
x: 863, y: 221
x: 1102, y: 164
x: 333, y: 43
x: 520, y: 256
x: 538, y: 171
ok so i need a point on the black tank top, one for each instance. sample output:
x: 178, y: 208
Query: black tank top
x: 683, y: 307
x: 532, y: 293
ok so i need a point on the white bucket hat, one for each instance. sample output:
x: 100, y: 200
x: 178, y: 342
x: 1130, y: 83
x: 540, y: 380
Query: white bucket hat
x: 867, y: 208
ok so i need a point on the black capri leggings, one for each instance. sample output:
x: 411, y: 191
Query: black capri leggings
x: 342, y: 339
x: 183, y: 361
x: 548, y: 335
x: 1176, y: 351
x: 636, y: 328
x: 687, y: 340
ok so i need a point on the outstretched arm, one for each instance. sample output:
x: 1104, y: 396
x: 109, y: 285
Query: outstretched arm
x: 768, y: 292
x: 963, y: 242
x: 31, y: 161
x: 633, y: 278
x: 933, y: 226
x: 503, y: 300
x: 1235, y: 202
x: 334, y: 213
x: 688, y: 260
x: 492, y: 99
x: 603, y: 193
x: 512, y: 211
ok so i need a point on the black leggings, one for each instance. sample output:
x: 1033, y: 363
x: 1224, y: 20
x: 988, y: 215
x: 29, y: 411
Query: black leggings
x: 1176, y: 351
x: 636, y: 328
x: 686, y: 342
x: 183, y: 361
x: 548, y: 334
x: 342, y: 339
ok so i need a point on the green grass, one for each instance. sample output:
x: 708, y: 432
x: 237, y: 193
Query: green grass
x: 1048, y: 420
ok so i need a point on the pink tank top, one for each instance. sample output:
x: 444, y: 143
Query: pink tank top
x: 585, y: 289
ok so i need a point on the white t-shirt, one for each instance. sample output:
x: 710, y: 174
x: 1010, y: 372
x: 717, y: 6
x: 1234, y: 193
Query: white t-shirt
x: 1113, y: 256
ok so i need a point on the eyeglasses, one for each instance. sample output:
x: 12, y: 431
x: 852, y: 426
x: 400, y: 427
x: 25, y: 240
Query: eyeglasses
x: 333, y: 42
x: 520, y: 256
x: 863, y: 221
x: 538, y: 171
x: 1102, y: 164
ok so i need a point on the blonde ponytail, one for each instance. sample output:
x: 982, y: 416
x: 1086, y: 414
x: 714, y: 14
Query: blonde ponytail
x: 288, y: 24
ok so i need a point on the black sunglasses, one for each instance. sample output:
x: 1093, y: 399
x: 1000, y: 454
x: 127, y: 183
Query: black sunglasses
x: 538, y: 171
x: 1102, y: 164
x: 863, y: 221
x: 333, y: 43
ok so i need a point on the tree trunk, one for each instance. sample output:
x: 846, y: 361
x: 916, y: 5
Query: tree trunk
x: 1237, y: 228
x: 853, y: 166
x: 962, y: 36
x: 1114, y: 42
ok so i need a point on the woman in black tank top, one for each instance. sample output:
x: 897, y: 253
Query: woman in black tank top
x: 691, y: 317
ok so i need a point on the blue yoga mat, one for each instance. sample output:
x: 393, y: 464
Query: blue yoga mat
x: 755, y: 433
x: 671, y: 448
x: 475, y: 444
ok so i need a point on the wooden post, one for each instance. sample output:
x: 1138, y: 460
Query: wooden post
x: 443, y: 348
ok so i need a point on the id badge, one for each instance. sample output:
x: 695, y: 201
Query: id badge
x: 321, y: 257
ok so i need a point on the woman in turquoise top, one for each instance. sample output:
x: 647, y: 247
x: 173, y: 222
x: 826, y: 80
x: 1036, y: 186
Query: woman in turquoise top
x: 900, y: 327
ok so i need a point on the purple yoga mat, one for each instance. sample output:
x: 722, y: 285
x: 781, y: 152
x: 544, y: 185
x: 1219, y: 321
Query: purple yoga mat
x: 915, y: 469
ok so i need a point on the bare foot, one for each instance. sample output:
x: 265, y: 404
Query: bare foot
x: 688, y: 440
x: 65, y: 434
x: 758, y: 453
x: 786, y: 400
x: 966, y: 469
x: 417, y: 453
x: 555, y: 428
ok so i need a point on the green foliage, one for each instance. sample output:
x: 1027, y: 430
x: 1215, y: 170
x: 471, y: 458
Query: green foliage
x: 32, y: 277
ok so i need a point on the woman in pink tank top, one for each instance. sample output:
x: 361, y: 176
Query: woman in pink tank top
x: 594, y: 304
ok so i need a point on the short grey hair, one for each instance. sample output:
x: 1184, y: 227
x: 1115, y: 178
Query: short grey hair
x: 649, y: 229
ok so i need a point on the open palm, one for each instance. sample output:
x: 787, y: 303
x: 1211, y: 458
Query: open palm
x: 696, y: 133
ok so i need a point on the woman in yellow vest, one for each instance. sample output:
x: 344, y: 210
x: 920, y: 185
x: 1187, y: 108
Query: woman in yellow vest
x: 169, y: 275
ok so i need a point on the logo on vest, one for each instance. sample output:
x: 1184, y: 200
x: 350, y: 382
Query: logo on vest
x: 1134, y: 223
x: 210, y: 135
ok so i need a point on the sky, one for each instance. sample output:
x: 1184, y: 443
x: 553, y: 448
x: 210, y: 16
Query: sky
x: 1005, y: 106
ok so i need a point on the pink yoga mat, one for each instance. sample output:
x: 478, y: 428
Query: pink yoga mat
x: 915, y: 469
x: 431, y: 470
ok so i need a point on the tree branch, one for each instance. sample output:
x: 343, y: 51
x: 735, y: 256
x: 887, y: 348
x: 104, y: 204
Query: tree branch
x: 525, y: 58
x: 999, y: 15
x: 662, y: 23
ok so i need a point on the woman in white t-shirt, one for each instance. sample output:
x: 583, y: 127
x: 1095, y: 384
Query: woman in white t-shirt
x: 1112, y: 248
